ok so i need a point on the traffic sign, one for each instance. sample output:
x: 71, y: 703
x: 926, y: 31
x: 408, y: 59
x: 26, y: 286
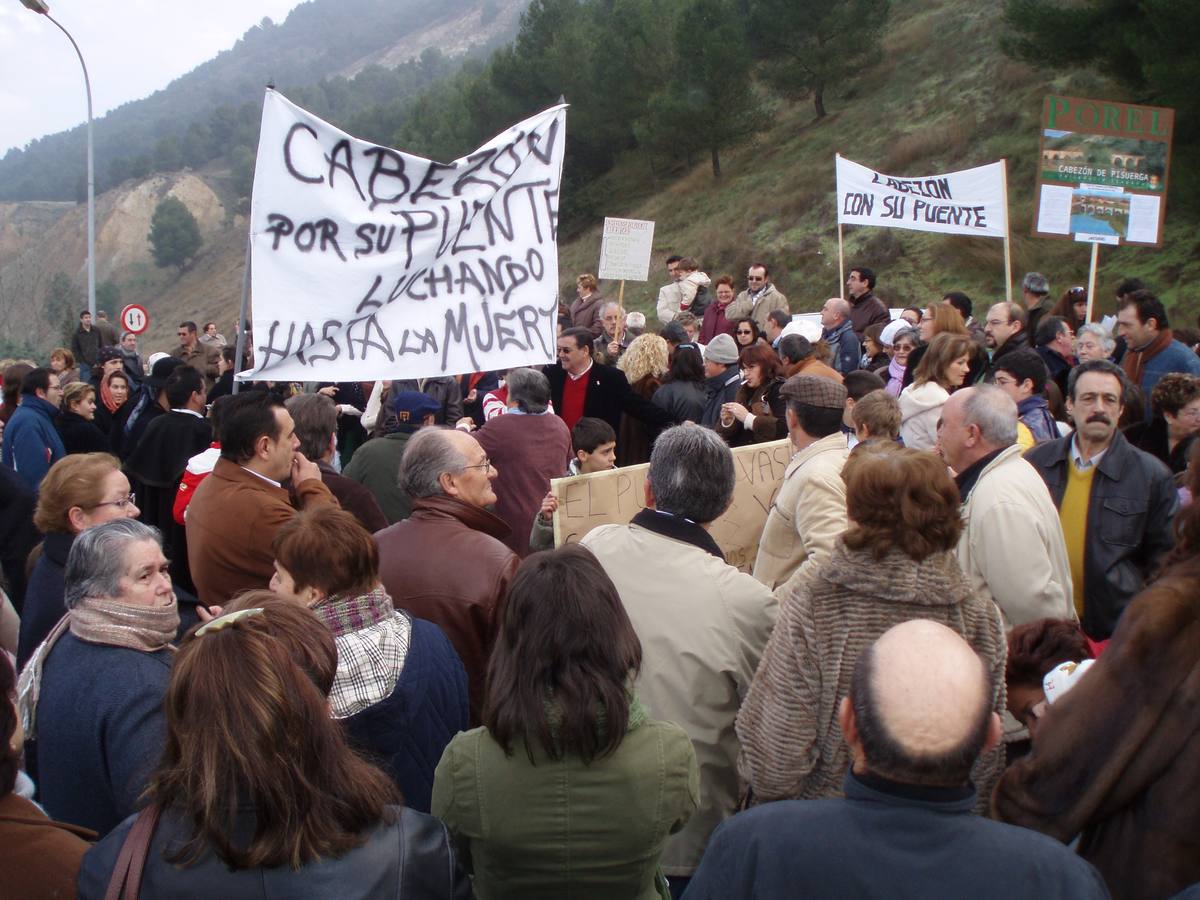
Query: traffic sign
x: 135, y: 318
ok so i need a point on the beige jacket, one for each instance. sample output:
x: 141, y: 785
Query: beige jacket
x: 808, y: 515
x: 1012, y: 548
x: 768, y: 301
x: 703, y: 626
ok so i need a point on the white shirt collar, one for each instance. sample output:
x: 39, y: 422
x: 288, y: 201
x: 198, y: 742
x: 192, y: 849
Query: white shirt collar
x: 581, y: 374
x: 263, y: 477
x: 192, y: 412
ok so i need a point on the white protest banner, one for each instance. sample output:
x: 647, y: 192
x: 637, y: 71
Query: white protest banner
x: 625, y: 249
x: 967, y: 202
x: 616, y: 496
x: 371, y: 263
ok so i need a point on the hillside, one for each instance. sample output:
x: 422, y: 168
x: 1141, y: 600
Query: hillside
x: 910, y: 113
x: 941, y: 97
x: 211, y: 110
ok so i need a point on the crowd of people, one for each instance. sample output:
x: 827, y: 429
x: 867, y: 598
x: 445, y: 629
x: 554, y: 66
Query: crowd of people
x: 316, y: 640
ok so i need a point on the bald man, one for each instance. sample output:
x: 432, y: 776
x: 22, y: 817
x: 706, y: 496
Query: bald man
x: 918, y: 715
x: 838, y: 333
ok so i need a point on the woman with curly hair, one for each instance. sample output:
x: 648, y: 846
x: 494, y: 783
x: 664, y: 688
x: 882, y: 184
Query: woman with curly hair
x: 758, y: 412
x: 895, y: 562
x: 1172, y: 430
x: 1072, y: 306
x: 645, y: 364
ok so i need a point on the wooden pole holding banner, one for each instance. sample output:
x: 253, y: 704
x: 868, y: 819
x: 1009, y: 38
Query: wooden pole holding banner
x: 1092, y: 279
x: 239, y: 353
x: 620, y: 311
x: 841, y: 256
x: 1008, y: 277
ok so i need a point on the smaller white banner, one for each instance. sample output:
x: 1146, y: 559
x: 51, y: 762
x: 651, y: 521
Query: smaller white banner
x: 625, y: 249
x: 967, y: 202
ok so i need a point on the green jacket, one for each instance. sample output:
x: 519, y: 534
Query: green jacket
x: 561, y: 828
x: 376, y: 465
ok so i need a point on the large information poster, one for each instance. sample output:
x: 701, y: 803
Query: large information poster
x: 616, y: 496
x: 1102, y: 171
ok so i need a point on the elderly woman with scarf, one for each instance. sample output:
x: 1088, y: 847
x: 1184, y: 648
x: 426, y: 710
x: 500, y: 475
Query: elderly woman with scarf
x: 400, y: 689
x: 91, y: 695
x: 79, y: 492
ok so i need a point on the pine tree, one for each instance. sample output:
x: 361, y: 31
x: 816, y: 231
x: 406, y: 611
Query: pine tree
x: 174, y: 235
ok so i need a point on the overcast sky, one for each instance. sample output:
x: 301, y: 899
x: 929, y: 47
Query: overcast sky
x: 132, y: 48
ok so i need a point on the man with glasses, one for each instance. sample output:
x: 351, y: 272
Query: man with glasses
x: 446, y: 562
x: 204, y: 358
x: 759, y: 299
x: 1022, y: 375
x: 1004, y: 330
x: 31, y: 441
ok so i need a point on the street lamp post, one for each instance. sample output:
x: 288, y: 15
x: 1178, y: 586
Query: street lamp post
x: 41, y: 7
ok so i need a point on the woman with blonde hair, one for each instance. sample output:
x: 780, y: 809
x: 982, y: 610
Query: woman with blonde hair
x: 645, y: 364
x: 76, y: 421
x: 943, y: 368
x: 79, y: 491
x: 258, y: 793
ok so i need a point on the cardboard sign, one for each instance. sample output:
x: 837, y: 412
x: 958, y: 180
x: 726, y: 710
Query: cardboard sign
x: 1102, y: 172
x: 370, y: 263
x: 625, y: 249
x: 967, y: 202
x: 616, y: 496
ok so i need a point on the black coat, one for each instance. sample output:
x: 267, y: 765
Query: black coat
x: 79, y: 435
x: 410, y: 858
x: 1129, y: 518
x: 885, y: 840
x: 17, y: 534
x: 609, y: 395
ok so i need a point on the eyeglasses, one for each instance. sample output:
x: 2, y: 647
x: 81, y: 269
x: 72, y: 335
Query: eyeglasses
x: 485, y: 465
x: 740, y: 331
x: 1004, y: 382
x: 125, y: 502
x: 563, y: 351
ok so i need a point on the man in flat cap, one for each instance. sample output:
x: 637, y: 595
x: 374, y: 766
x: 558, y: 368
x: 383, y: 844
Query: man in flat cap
x: 809, y: 512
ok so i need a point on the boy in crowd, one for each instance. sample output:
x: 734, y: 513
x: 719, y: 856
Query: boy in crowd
x: 595, y: 446
x: 876, y: 417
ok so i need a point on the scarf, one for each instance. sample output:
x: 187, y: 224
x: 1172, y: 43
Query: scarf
x: 106, y: 396
x: 895, y: 378
x: 344, y: 613
x: 144, y: 628
x: 1134, y: 361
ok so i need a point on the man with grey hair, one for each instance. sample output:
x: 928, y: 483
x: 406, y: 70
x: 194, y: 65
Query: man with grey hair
x: 1035, y: 288
x: 1012, y: 547
x: 528, y: 446
x: 315, y: 417
x: 446, y: 563
x: 91, y: 694
x: 702, y: 623
x: 838, y: 333
x: 607, y: 349
x: 808, y: 514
